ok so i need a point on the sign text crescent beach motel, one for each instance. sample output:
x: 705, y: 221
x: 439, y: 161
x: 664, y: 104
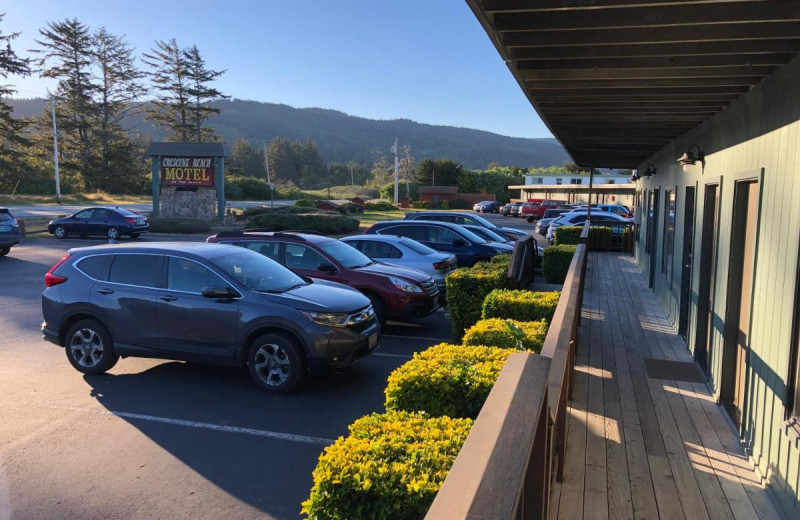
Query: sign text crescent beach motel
x: 187, y: 171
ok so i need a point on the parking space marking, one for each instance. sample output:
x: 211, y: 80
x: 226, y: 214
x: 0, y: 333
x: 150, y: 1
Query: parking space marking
x: 418, y: 338
x: 392, y: 355
x: 205, y: 426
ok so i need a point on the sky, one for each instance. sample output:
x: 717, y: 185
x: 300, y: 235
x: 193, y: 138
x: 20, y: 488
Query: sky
x: 425, y: 60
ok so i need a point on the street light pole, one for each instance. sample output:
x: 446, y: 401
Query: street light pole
x: 55, y: 151
x: 396, y: 178
x: 269, y: 182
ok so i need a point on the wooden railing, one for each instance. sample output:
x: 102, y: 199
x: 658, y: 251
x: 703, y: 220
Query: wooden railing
x: 515, y: 450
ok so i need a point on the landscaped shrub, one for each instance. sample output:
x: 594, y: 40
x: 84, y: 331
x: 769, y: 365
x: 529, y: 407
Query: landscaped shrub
x: 181, y: 226
x: 460, y: 204
x: 520, y: 305
x: 501, y: 261
x: 390, y: 467
x: 568, y: 235
x: 451, y: 380
x: 306, y: 203
x: 494, y: 333
x: 329, y: 223
x: 555, y: 263
x: 599, y: 238
x: 444, y: 204
x: 466, y: 289
x: 627, y: 240
x: 379, y: 206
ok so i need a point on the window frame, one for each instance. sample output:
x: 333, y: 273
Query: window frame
x: 325, y: 258
x: 160, y: 278
x: 792, y: 411
x: 165, y: 282
x: 668, y: 233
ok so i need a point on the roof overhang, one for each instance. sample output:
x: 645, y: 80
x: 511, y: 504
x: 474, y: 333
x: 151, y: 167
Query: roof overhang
x: 616, y: 80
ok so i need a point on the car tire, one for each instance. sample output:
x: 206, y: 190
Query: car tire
x: 112, y: 233
x: 379, y: 306
x: 135, y: 235
x: 89, y: 347
x: 59, y: 232
x: 4, y: 251
x: 276, y: 364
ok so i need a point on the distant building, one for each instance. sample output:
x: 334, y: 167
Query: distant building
x: 558, y: 179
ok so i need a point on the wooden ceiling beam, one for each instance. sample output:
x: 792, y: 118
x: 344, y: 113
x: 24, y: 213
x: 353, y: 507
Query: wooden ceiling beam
x: 724, y: 85
x: 647, y: 73
x: 657, y: 62
x: 623, y: 113
x: 613, y: 98
x: 650, y: 16
x: 500, y: 6
x: 633, y: 105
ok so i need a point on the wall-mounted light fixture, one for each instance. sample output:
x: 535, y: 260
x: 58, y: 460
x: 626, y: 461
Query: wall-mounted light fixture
x: 635, y: 176
x: 692, y: 155
x: 650, y: 171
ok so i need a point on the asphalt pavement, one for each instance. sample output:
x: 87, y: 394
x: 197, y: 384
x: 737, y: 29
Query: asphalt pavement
x: 54, y: 210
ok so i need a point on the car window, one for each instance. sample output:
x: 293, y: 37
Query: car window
x: 375, y: 249
x: 303, y: 257
x: 96, y: 267
x: 140, y: 270
x: 412, y: 232
x: 417, y: 247
x: 257, y: 272
x: 189, y: 276
x: 103, y: 214
x: 84, y: 215
x: 440, y: 235
x: 6, y: 217
x: 346, y: 256
x: 271, y: 250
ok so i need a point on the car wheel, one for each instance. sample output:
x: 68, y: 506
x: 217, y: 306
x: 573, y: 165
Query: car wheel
x: 60, y: 232
x: 112, y: 233
x: 89, y: 348
x: 276, y: 364
x: 4, y: 251
x: 135, y: 235
x: 378, y: 306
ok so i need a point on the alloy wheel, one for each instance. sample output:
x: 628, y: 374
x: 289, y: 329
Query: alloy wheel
x: 272, y: 364
x: 86, y: 347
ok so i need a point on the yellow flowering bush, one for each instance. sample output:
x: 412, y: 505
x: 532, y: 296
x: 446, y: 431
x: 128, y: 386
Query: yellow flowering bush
x: 390, y: 467
x: 520, y: 305
x: 494, y: 333
x: 466, y: 289
x: 451, y: 380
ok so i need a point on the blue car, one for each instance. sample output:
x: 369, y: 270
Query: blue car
x: 9, y: 231
x: 111, y: 223
x: 468, y: 247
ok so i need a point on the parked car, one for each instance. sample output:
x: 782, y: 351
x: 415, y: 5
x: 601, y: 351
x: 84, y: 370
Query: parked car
x: 487, y: 206
x: 515, y: 209
x: 467, y: 218
x: 447, y: 237
x: 578, y: 217
x: 9, y: 231
x: 395, y: 292
x: 405, y: 252
x: 207, y: 303
x: 534, y: 209
x: 543, y: 223
x: 506, y: 210
x: 617, y: 209
x: 110, y: 222
x: 490, y: 235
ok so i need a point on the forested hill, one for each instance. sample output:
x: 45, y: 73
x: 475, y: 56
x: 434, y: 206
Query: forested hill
x: 342, y: 137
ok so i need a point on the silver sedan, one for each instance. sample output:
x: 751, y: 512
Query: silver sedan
x: 405, y: 252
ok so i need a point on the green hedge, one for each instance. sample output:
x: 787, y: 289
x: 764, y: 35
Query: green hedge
x: 379, y: 206
x: 181, y: 226
x: 520, y: 305
x: 444, y: 204
x: 329, y: 223
x: 283, y: 210
x: 451, y: 380
x: 390, y: 467
x: 555, y: 263
x: 466, y: 289
x: 494, y: 333
x: 568, y: 235
x: 418, y: 204
x: 306, y: 203
x: 460, y: 204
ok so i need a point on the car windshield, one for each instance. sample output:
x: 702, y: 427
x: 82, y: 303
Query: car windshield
x: 417, y: 247
x: 488, y: 234
x: 472, y: 237
x: 126, y: 212
x: 258, y: 273
x: 345, y: 254
x: 482, y: 221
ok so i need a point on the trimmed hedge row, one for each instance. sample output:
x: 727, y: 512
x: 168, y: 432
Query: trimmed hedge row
x: 495, y: 333
x: 182, y: 226
x: 466, y: 289
x: 520, y: 305
x: 451, y: 380
x: 599, y: 237
x: 570, y: 235
x: 390, y: 467
x: 379, y: 206
x: 329, y: 223
x: 555, y: 263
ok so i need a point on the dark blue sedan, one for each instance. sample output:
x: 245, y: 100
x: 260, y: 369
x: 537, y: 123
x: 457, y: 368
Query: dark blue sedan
x: 9, y: 231
x: 112, y: 223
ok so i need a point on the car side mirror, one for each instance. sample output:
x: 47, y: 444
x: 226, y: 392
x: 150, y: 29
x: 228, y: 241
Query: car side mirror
x: 459, y: 243
x: 219, y: 292
x: 327, y: 267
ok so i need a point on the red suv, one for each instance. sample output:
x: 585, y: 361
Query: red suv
x: 395, y: 292
x: 534, y: 209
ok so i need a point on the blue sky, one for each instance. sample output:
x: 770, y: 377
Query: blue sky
x: 426, y: 60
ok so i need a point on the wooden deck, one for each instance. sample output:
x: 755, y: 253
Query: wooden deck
x: 639, y: 447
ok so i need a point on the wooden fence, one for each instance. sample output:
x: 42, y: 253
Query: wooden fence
x: 515, y: 450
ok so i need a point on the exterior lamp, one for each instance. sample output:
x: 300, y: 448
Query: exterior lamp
x: 650, y: 171
x: 692, y: 155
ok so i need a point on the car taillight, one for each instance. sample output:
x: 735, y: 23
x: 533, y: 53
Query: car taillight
x: 130, y: 220
x: 51, y: 279
x: 441, y: 265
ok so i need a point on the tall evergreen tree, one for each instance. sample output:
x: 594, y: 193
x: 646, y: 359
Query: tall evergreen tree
x: 169, y: 75
x: 11, y: 129
x: 201, y: 93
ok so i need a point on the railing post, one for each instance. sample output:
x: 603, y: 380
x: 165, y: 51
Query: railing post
x: 536, y: 496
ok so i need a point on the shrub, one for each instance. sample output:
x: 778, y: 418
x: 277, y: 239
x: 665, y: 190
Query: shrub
x: 246, y: 188
x: 379, y: 206
x: 520, y: 305
x: 450, y: 380
x: 390, y: 466
x: 387, y: 191
x: 494, y: 333
x: 555, y: 263
x: 501, y: 261
x: 568, y: 235
x: 466, y: 289
x: 627, y: 240
x: 460, y: 204
x: 284, y: 210
x: 329, y: 223
x: 306, y: 203
x: 444, y: 204
x: 599, y: 238
x: 181, y: 226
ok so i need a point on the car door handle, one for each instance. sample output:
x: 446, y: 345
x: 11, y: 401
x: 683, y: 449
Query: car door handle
x: 168, y: 298
x: 105, y: 291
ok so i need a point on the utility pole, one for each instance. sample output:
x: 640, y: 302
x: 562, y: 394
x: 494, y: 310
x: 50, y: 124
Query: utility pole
x: 271, y: 187
x: 55, y: 151
x: 352, y: 184
x: 396, y: 178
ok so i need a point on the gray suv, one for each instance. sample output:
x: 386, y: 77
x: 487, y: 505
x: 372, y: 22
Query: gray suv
x: 209, y: 303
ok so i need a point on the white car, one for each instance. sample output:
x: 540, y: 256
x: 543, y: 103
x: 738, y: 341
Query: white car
x: 578, y: 217
x: 405, y: 252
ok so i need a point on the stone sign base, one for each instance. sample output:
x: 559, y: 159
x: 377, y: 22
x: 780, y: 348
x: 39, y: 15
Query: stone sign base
x: 200, y: 203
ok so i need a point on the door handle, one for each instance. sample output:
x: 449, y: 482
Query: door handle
x: 105, y: 291
x: 168, y: 298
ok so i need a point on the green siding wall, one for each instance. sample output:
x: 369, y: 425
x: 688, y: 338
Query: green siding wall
x: 759, y: 132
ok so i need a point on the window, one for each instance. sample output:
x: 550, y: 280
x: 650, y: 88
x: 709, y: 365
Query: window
x: 558, y: 180
x: 139, y: 270
x: 417, y: 247
x: 413, y: 232
x: 303, y: 257
x: 375, y: 249
x: 189, y: 276
x: 96, y: 267
x: 347, y: 256
x: 83, y: 215
x: 793, y: 394
x: 669, y: 234
x: 611, y: 181
x: 576, y: 181
x: 258, y: 273
x: 271, y: 250
x: 440, y: 235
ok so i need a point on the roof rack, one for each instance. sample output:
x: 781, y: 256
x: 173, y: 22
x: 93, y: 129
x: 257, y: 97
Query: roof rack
x: 258, y: 230
x: 233, y: 233
x: 284, y: 234
x: 304, y: 231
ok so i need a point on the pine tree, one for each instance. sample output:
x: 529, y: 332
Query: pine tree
x: 11, y: 130
x: 201, y: 93
x: 169, y: 75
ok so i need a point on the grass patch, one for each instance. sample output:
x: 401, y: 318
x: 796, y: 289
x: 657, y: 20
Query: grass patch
x: 77, y: 198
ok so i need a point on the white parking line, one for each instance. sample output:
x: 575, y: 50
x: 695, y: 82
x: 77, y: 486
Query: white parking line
x: 418, y: 338
x: 392, y: 355
x: 206, y: 426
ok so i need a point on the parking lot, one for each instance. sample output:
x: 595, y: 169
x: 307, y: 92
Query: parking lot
x: 165, y: 439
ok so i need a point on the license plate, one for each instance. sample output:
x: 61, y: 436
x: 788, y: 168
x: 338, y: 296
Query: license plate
x: 373, y: 340
x: 5, y: 229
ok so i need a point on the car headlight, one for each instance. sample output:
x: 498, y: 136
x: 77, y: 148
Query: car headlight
x: 404, y: 285
x: 328, y: 319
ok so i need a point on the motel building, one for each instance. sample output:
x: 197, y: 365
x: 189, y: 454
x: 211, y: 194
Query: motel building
x: 668, y: 386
